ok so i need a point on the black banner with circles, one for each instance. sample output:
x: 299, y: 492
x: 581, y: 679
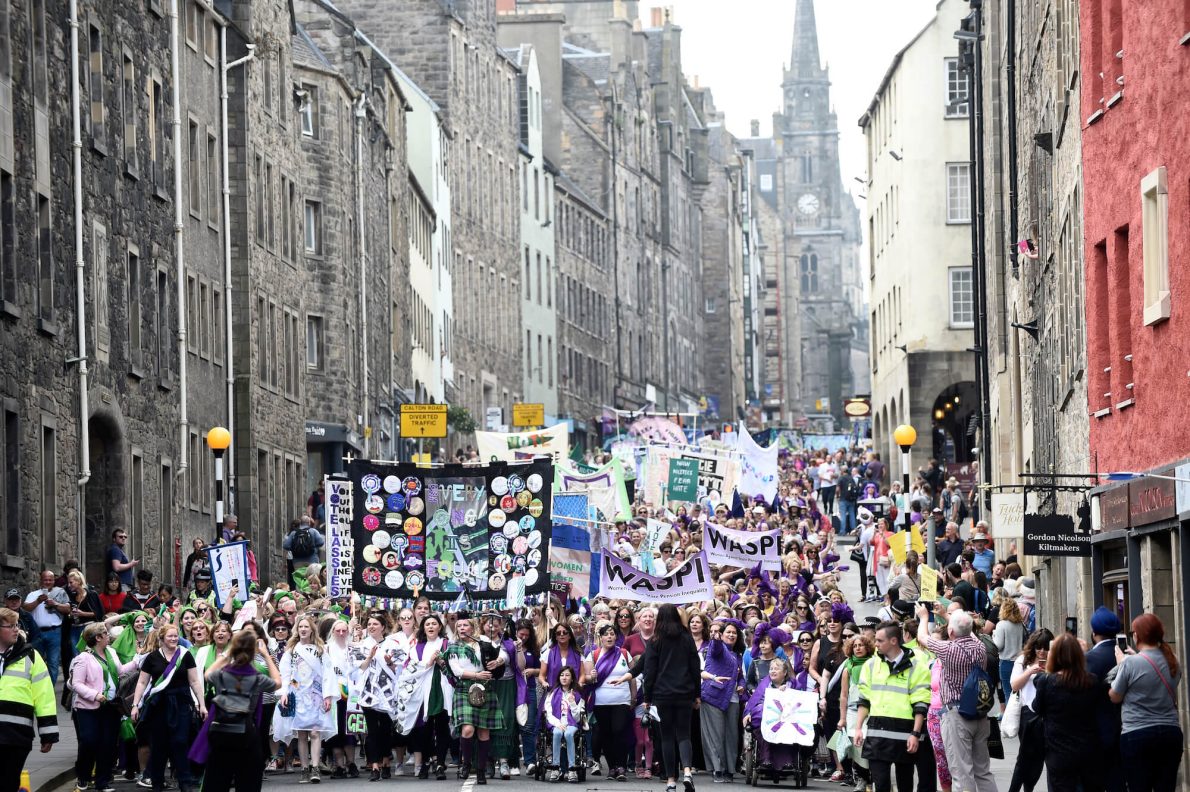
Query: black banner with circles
x: 443, y: 531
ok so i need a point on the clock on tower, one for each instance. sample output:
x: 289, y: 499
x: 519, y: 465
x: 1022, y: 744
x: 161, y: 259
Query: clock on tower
x: 807, y: 204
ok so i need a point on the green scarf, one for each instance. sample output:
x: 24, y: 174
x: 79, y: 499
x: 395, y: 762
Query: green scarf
x: 124, y: 644
x: 109, y: 673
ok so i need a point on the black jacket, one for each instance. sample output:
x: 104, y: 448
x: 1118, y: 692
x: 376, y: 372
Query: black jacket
x: 673, y: 673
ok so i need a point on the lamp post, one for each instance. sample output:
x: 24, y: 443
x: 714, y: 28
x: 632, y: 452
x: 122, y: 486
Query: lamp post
x: 218, y: 439
x: 905, y: 436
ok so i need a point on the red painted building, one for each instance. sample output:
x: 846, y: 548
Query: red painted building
x: 1135, y: 62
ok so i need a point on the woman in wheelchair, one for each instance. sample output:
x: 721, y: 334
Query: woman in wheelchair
x: 564, y: 715
x: 774, y: 757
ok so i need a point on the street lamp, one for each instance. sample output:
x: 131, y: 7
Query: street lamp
x: 218, y: 439
x: 905, y: 436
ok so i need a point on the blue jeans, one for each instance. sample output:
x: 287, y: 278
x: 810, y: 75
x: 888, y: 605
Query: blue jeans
x: 529, y: 730
x: 1006, y: 679
x: 1151, y: 757
x: 568, y: 734
x: 846, y: 516
x: 49, y: 646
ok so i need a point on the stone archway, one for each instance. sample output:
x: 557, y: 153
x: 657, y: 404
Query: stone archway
x: 104, y: 506
x: 950, y: 419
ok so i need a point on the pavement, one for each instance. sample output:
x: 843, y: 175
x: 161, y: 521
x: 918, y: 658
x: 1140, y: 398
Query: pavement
x: 54, y: 772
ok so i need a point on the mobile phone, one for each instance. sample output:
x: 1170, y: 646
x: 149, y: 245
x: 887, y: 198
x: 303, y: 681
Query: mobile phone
x: 235, y: 581
x: 1122, y: 642
x: 1072, y: 625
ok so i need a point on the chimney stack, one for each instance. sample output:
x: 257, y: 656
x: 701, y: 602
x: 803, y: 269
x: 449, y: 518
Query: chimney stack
x: 656, y: 17
x: 755, y: 128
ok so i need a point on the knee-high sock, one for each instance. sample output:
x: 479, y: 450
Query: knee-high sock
x: 465, y: 750
x: 481, y: 762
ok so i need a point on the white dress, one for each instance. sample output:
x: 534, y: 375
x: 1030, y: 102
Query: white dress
x: 307, y: 673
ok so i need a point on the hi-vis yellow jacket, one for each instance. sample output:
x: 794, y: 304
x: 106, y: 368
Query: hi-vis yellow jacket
x: 26, y: 698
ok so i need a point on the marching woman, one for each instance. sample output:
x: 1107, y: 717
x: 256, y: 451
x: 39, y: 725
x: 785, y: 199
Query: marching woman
x: 528, y: 668
x: 233, y: 747
x: 168, y: 679
x: 307, y: 683
x: 607, y: 671
x: 94, y: 676
x: 719, y: 716
x: 561, y: 652
x: 338, y: 652
x: 504, y: 687
x: 858, y: 651
x: 672, y: 681
x: 404, y: 637
x: 475, y: 711
x: 376, y: 657
x: 430, y: 700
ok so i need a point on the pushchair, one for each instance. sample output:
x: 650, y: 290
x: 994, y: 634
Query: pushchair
x: 797, y: 771
x: 545, y: 748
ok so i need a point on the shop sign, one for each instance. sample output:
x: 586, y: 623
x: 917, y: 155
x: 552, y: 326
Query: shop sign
x: 1113, y: 509
x: 1151, y: 500
x: 1054, y: 535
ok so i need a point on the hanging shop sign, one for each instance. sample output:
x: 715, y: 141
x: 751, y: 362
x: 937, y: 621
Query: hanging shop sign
x: 1055, y: 535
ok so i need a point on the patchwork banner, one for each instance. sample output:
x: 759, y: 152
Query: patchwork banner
x: 655, y: 429
x: 610, y: 477
x: 570, y: 547
x: 743, y: 549
x: 758, y: 468
x: 689, y: 583
x: 450, y: 530
x: 789, y: 716
x: 340, y: 554
x: 657, y: 474
x: 514, y: 446
x: 228, y: 563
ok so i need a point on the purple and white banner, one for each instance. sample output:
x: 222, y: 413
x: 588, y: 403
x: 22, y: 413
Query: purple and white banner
x: 758, y: 467
x: 742, y: 549
x: 691, y: 582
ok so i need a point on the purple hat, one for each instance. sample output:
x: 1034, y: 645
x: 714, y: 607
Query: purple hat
x: 842, y: 612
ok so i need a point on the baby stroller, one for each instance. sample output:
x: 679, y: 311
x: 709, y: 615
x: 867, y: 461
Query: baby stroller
x: 796, y: 770
x: 545, y: 749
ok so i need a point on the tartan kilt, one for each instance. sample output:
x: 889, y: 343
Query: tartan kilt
x: 465, y: 713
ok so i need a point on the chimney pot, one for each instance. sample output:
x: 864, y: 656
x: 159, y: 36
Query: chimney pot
x: 656, y: 17
x: 755, y: 128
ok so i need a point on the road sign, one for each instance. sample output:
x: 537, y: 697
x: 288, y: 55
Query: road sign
x: 423, y: 420
x: 528, y: 414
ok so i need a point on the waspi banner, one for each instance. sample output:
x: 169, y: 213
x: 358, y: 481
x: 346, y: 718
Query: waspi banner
x: 742, y: 548
x: 691, y: 582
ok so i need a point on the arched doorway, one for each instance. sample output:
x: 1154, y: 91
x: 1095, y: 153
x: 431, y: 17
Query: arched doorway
x: 952, y: 419
x: 104, y: 507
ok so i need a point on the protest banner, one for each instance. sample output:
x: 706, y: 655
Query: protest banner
x: 450, y: 530
x: 656, y: 532
x: 610, y: 476
x: 657, y: 474
x: 789, y: 716
x: 718, y: 476
x: 570, y: 546
x: 929, y: 584
x: 683, y: 480
x: 689, y: 583
x: 742, y: 548
x: 511, y: 446
x: 758, y: 468
x: 229, y: 567
x: 340, y: 555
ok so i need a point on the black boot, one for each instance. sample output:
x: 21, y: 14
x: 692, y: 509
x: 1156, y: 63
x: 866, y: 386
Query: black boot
x: 464, y: 771
x: 479, y: 776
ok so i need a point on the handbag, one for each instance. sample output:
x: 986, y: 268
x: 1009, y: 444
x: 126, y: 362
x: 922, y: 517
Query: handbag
x: 522, y: 715
x: 995, y: 741
x: 288, y: 705
x: 857, y: 555
x: 1010, y: 721
x: 477, y: 694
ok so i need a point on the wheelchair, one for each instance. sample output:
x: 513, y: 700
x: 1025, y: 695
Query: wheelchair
x: 755, y: 775
x: 545, y: 748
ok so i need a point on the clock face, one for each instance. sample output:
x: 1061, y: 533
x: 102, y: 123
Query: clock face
x: 808, y: 204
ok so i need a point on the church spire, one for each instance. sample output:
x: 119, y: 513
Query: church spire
x: 804, y: 63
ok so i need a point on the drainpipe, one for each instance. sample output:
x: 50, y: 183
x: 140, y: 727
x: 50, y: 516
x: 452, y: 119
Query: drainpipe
x: 80, y: 278
x: 1010, y: 73
x: 225, y: 67
x: 361, y: 113
x: 176, y: 123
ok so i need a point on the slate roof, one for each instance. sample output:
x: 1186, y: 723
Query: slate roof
x: 306, y: 52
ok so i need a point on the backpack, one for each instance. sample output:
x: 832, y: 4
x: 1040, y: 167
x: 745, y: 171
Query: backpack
x: 232, y: 704
x: 978, y: 696
x: 964, y: 512
x: 302, y: 545
x: 992, y: 666
x: 1031, y: 622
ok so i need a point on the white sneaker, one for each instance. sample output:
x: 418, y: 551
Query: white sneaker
x: 572, y: 777
x: 398, y: 770
x: 553, y: 776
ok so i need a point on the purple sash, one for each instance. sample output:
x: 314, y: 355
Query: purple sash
x: 555, y: 705
x: 555, y: 663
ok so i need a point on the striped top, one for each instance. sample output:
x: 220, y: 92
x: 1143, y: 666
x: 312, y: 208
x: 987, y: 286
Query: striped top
x: 957, y: 657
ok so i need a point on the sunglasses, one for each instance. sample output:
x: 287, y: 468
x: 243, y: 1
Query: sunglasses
x: 805, y: 640
x: 848, y: 635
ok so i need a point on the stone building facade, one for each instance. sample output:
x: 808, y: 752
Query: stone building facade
x: 1036, y: 306
x: 452, y: 53
x: 727, y: 285
x: 919, y: 199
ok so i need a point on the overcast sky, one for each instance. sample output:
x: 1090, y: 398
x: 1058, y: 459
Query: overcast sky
x: 738, y: 48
